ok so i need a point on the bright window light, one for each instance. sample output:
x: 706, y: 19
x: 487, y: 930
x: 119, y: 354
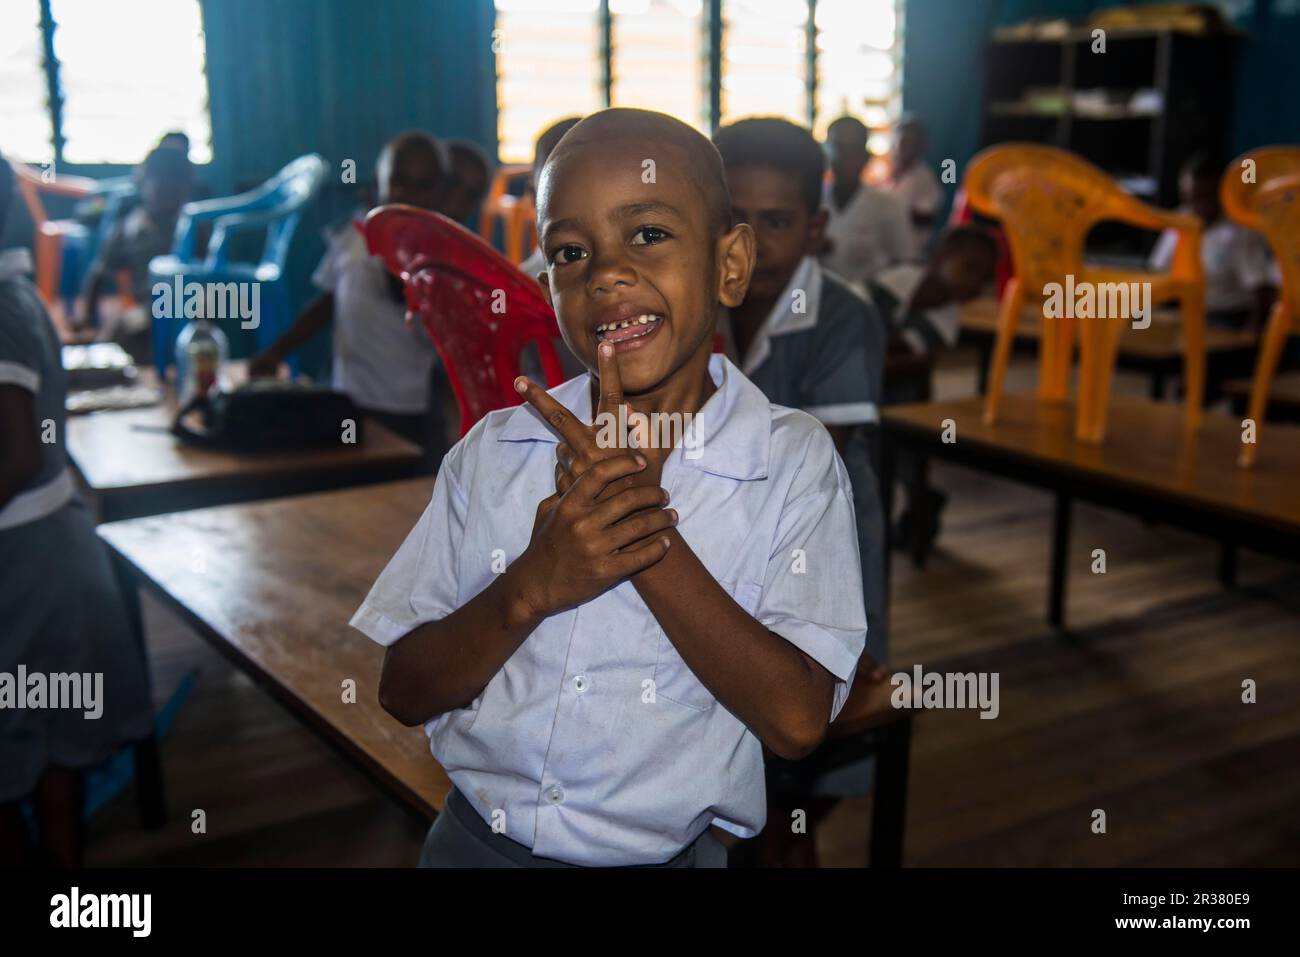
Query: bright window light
x: 858, y: 68
x: 548, y: 67
x: 28, y: 134
x: 657, y: 57
x: 763, y: 59
x: 130, y: 71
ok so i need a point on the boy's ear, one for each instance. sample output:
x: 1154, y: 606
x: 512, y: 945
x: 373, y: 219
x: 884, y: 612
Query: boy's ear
x: 817, y: 231
x: 735, y: 264
x: 544, y: 280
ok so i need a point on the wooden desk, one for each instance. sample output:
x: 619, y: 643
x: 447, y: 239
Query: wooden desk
x: 277, y: 584
x: 271, y: 585
x: 1283, y: 399
x: 133, y: 466
x: 1147, y: 466
x: 1156, y: 350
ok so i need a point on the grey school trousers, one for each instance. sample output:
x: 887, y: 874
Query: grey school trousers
x: 460, y: 838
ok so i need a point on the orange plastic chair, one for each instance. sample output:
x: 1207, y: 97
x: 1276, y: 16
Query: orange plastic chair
x: 1047, y: 201
x: 516, y: 214
x: 32, y: 184
x: 480, y: 311
x: 1269, y: 204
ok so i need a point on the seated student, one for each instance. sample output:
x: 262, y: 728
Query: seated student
x: 809, y: 341
x: 914, y: 183
x: 536, y: 262
x: 471, y: 175
x: 384, y: 364
x: 1239, y: 273
x: 868, y: 228
x: 598, y: 667
x: 166, y: 181
x: 922, y: 307
x: 60, y: 609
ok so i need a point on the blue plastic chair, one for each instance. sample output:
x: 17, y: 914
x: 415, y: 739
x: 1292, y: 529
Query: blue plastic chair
x: 277, y: 205
x: 81, y: 243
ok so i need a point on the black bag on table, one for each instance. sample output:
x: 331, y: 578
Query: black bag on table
x: 271, y: 417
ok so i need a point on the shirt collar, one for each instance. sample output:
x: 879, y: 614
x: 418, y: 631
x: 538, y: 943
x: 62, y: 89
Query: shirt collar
x: 734, y: 426
x: 15, y: 262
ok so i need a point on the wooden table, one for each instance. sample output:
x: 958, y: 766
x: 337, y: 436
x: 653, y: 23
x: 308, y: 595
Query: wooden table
x: 1283, y: 398
x: 133, y: 466
x: 272, y: 585
x: 276, y: 586
x: 1156, y: 351
x: 1147, y: 466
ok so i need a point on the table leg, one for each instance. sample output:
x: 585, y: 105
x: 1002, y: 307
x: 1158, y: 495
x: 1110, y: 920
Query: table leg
x: 889, y: 805
x: 148, y: 767
x: 1060, y: 560
x: 1228, y: 564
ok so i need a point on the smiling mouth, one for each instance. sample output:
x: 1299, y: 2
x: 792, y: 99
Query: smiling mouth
x: 628, y: 329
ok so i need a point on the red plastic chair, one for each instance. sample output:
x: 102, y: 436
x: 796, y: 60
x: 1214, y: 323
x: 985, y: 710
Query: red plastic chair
x: 479, y: 310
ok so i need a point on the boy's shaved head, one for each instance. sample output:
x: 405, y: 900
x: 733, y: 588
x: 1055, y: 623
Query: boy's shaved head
x: 653, y: 131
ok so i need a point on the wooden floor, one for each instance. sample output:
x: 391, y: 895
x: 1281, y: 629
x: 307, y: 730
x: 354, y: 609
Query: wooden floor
x: 1136, y: 711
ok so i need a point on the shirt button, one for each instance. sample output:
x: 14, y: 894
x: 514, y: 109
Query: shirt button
x: 555, y: 794
x: 581, y: 683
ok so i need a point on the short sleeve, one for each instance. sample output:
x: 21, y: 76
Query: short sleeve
x: 1252, y: 261
x: 343, y: 245
x: 20, y: 348
x: 812, y: 592
x: 1162, y: 257
x: 840, y: 387
x: 420, y: 582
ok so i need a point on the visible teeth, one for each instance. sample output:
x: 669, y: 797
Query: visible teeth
x: 643, y: 320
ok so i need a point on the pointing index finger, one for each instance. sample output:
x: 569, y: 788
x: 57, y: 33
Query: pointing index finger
x: 557, y: 416
x: 611, y: 383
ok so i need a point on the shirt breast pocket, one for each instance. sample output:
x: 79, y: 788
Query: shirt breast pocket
x: 673, y: 678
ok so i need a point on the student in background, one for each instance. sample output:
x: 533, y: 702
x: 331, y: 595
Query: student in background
x: 1240, y: 283
x: 914, y: 183
x: 810, y: 342
x: 922, y: 308
x: 384, y: 364
x: 868, y: 228
x: 166, y: 182
x: 471, y: 175
x: 60, y: 608
x: 608, y: 707
x: 551, y: 136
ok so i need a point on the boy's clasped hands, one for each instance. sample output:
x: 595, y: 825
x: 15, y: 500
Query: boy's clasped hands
x: 608, y: 518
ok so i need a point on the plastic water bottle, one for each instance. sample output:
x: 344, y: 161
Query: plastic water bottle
x: 201, y: 354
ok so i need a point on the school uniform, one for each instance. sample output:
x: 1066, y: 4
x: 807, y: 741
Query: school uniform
x: 1237, y: 264
x: 385, y: 365
x: 595, y: 744
x: 917, y: 188
x: 59, y: 604
x: 868, y: 234
x: 926, y: 331
x: 827, y: 358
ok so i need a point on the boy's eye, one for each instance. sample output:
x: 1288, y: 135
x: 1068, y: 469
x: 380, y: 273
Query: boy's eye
x: 648, y: 236
x: 568, y: 254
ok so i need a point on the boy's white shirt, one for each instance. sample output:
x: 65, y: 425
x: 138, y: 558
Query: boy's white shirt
x: 919, y: 191
x: 902, y: 280
x: 595, y: 742
x: 867, y: 235
x: 1237, y: 263
x: 382, y: 363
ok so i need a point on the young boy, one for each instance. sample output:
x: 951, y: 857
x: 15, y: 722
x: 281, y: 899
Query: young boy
x: 922, y: 307
x: 868, y: 228
x: 1239, y: 273
x: 600, y: 688
x: 471, y: 172
x: 60, y: 609
x: 914, y: 183
x: 809, y: 341
x: 166, y: 181
x: 384, y: 364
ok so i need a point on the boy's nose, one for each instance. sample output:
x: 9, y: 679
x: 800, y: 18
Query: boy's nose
x: 609, y: 272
